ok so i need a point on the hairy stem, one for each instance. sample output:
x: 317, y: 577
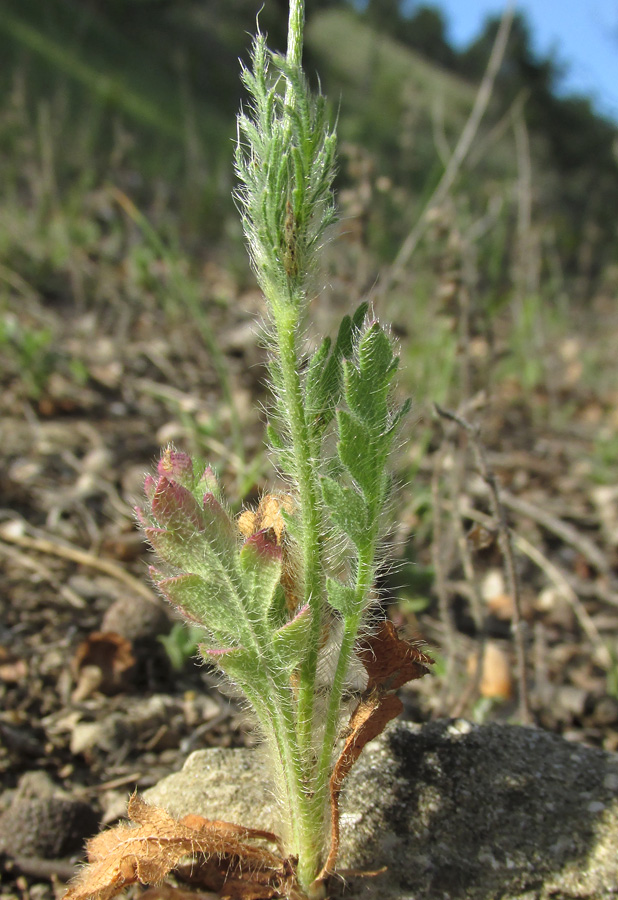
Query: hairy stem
x: 351, y: 626
x: 286, y: 327
x: 296, y: 23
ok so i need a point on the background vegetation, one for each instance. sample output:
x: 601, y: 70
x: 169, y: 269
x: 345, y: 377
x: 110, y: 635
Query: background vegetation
x: 127, y: 313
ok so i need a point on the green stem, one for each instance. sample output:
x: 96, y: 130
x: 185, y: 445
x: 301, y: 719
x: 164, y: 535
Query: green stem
x: 351, y: 625
x: 307, y: 827
x: 277, y: 722
x: 286, y: 325
x: 296, y: 24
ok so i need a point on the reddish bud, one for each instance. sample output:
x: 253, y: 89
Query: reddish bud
x: 150, y: 486
x: 263, y: 544
x: 175, y: 507
x: 176, y: 466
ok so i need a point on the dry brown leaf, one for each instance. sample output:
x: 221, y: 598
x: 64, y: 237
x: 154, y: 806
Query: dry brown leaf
x: 147, y: 853
x: 390, y: 662
x: 168, y: 892
x: 110, y: 654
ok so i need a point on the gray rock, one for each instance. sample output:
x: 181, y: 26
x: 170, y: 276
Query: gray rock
x: 456, y: 811
x: 43, y: 821
x: 137, y: 620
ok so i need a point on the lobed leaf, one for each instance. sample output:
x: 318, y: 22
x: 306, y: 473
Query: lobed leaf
x: 348, y: 510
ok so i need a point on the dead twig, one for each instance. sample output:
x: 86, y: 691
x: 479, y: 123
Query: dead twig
x: 10, y: 535
x: 476, y: 605
x: 506, y: 547
x: 26, y: 562
x: 560, y: 582
x: 559, y: 527
x: 437, y: 556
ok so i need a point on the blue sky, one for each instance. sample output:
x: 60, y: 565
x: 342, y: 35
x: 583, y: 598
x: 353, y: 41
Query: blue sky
x: 583, y: 34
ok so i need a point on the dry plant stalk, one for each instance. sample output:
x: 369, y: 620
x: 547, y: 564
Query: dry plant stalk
x: 506, y: 547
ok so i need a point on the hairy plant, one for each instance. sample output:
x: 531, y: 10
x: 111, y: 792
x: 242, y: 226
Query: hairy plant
x: 282, y: 593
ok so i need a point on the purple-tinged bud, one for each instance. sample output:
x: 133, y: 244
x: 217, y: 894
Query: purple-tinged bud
x: 141, y: 517
x: 208, y: 483
x: 175, y: 507
x: 150, y: 486
x: 176, y: 466
x: 263, y: 545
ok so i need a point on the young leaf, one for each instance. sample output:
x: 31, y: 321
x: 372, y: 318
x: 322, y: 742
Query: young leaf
x: 366, y: 385
x: 290, y: 642
x: 243, y: 666
x: 260, y: 565
x: 324, y: 375
x: 347, y: 509
x: 210, y: 603
x: 356, y: 452
x: 341, y: 597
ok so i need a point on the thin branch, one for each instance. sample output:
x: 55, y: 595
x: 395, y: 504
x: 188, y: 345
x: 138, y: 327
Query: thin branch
x: 437, y: 554
x: 81, y: 557
x: 460, y: 152
x: 562, y: 529
x: 560, y: 582
x: 506, y: 547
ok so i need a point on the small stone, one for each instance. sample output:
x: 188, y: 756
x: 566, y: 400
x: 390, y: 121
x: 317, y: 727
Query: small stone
x: 136, y: 619
x: 44, y: 821
x: 106, y: 736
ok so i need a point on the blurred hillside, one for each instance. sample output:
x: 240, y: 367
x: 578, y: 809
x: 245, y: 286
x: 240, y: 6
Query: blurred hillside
x: 148, y: 89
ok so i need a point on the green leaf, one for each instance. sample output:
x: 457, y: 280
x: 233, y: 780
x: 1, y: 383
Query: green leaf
x: 366, y: 385
x: 341, y: 597
x: 356, y: 452
x: 347, y: 509
x: 241, y: 665
x: 260, y: 566
x: 396, y: 420
x: 210, y: 603
x: 220, y: 531
x: 289, y: 643
x: 274, y: 438
x: 324, y: 375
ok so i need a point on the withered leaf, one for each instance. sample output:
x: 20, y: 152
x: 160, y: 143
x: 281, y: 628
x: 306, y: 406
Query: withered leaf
x: 110, y: 654
x: 148, y: 851
x: 168, y: 892
x: 390, y: 662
